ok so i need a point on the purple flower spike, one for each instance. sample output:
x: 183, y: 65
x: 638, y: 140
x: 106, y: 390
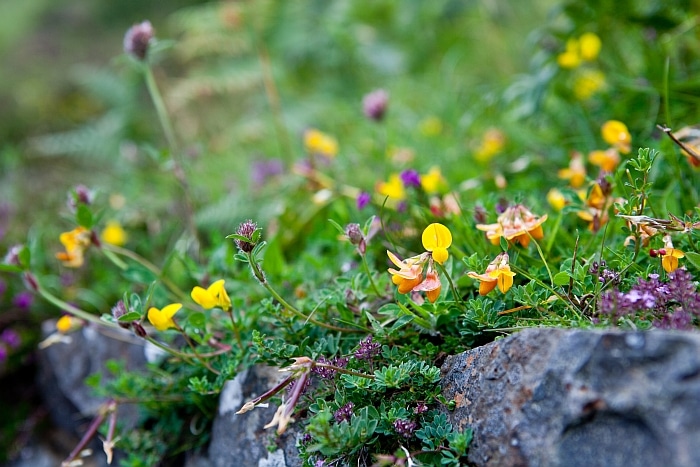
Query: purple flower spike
x: 410, y: 178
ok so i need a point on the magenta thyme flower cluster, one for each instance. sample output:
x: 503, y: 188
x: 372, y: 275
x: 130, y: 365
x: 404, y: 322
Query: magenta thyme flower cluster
x: 669, y: 305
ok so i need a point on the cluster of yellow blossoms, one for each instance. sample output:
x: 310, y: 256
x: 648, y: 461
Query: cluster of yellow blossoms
x: 409, y: 277
x: 214, y: 296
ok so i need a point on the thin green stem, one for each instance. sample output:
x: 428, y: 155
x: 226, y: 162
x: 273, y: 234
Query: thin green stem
x: 236, y: 332
x: 369, y: 275
x: 260, y: 276
x: 452, y: 285
x: 73, y: 310
x: 148, y: 265
x: 161, y: 111
x: 194, y: 349
x: 185, y: 357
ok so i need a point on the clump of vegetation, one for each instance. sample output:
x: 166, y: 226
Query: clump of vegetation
x: 307, y: 207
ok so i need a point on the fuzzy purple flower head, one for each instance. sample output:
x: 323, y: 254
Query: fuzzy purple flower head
x: 375, y: 104
x: 137, y: 39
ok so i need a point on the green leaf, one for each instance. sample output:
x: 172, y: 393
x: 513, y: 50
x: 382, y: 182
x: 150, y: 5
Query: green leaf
x: 197, y: 320
x: 562, y: 278
x: 693, y: 258
x: 337, y: 226
x: 24, y: 256
x: 83, y: 216
x: 131, y: 316
x: 10, y: 268
x: 376, y: 325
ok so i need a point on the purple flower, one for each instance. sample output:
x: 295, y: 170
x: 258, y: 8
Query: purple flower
x: 363, y: 200
x: 262, y: 170
x: 344, y: 413
x: 410, y: 178
x: 375, y: 104
x: 246, y: 229
x: 137, y: 39
x: 23, y: 300
x: 11, y: 338
x: 329, y: 373
x: 670, y: 305
x: 367, y: 349
x: 404, y: 427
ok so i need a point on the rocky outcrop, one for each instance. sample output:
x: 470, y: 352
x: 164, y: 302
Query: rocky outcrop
x: 553, y: 397
x: 242, y: 439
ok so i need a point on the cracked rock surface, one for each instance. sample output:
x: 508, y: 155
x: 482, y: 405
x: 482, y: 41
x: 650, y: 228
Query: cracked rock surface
x: 556, y: 397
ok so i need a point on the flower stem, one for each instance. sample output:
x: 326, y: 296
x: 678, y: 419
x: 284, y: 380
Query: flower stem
x: 369, y: 275
x: 148, y: 265
x: 194, y: 349
x: 236, y: 331
x: 260, y: 276
x: 458, y: 297
x: 73, y: 310
x: 158, y: 103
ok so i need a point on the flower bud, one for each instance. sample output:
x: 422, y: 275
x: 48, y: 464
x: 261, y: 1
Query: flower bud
x: 247, y: 229
x: 375, y: 104
x: 137, y: 39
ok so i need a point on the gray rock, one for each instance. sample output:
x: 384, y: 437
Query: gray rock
x: 554, y: 397
x: 64, y: 366
x: 241, y: 439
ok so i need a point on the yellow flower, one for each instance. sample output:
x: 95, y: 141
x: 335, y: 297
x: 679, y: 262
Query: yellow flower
x: 670, y: 255
x: 320, y: 143
x: 607, y: 160
x: 67, y: 323
x: 497, y: 273
x: 214, y: 296
x: 556, y: 199
x: 517, y: 225
x: 596, y: 210
x: 576, y: 172
x: 75, y: 242
x: 589, y: 46
x: 585, y: 48
x: 433, y: 181
x: 571, y: 57
x: 430, y: 126
x: 163, y: 319
x: 114, y: 234
x: 410, y: 273
x: 616, y: 134
x: 492, y: 143
x: 587, y: 83
x: 669, y: 258
x: 392, y: 188
x: 437, y: 239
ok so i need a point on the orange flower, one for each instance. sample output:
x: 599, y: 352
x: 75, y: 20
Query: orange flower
x: 607, y: 160
x: 75, y: 242
x: 576, y: 172
x: 517, y: 225
x: 410, y: 272
x: 497, y: 273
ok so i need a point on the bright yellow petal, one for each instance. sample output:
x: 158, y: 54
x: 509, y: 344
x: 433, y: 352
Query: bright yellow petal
x: 203, y: 298
x: 440, y: 255
x: 505, y: 282
x: 218, y: 291
x: 436, y: 236
x: 163, y: 319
